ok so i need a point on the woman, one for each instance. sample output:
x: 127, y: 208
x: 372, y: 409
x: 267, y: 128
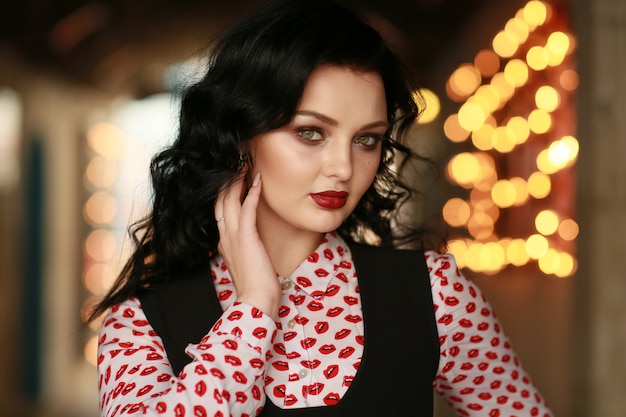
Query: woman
x: 251, y: 291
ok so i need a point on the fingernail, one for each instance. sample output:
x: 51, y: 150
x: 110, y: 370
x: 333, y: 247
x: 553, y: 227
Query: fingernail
x: 257, y: 177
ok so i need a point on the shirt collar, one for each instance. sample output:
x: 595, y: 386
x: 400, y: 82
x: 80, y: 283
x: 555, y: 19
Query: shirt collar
x: 331, y: 259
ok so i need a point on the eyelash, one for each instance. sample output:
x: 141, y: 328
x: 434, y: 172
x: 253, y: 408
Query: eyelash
x: 371, y: 137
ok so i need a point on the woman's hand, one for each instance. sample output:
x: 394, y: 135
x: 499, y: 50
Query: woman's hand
x: 243, y: 251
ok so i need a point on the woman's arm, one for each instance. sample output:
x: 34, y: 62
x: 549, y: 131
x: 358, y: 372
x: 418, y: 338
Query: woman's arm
x: 225, y: 376
x: 479, y: 374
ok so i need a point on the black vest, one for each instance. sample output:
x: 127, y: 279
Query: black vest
x: 401, y: 352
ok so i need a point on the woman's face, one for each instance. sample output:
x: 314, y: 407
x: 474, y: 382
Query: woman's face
x: 316, y: 169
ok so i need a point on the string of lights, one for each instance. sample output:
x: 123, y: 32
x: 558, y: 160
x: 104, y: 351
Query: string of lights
x: 517, y: 118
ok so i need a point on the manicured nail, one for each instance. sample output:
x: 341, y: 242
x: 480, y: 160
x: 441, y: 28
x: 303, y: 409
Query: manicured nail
x: 257, y: 177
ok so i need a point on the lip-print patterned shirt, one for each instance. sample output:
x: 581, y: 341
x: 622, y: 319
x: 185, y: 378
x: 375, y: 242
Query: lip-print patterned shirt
x: 310, y: 356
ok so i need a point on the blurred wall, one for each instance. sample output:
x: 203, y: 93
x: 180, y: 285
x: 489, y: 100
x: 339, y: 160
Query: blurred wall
x: 55, y: 114
x: 600, y: 316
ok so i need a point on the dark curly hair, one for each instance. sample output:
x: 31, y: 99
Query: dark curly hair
x: 255, y: 80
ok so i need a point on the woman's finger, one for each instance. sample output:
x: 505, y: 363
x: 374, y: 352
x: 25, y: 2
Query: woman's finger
x: 250, y: 204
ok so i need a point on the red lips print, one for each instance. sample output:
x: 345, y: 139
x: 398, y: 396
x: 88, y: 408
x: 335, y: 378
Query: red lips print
x: 342, y: 334
x: 200, y: 388
x: 331, y: 398
x: 353, y: 318
x: 346, y: 352
x: 315, y: 306
x: 309, y: 342
x: 235, y: 315
x: 327, y: 349
x: 304, y: 282
x: 321, y: 273
x: 332, y: 290
x: 260, y: 333
x: 283, y: 311
x: 280, y: 391
x: 311, y: 364
x: 331, y: 371
x: 334, y: 312
x: 224, y: 295
x: 313, y: 389
x: 290, y: 400
x: 256, y: 363
x: 321, y: 327
x: 350, y: 300
x: 240, y: 377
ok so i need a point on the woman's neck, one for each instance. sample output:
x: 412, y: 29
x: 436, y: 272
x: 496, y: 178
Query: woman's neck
x: 288, y: 250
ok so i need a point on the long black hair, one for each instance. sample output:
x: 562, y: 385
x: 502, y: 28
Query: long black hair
x: 255, y: 80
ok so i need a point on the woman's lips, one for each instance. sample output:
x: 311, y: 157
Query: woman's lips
x: 330, y: 199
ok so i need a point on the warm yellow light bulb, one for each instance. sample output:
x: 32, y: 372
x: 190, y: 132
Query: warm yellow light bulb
x: 505, y: 88
x: 101, y: 245
x: 472, y: 116
x: 567, y: 265
x: 518, y: 128
x: 521, y: 191
x: 536, y: 246
x: 516, y: 252
x: 516, y: 72
x: 482, y: 138
x: 545, y: 164
x: 492, y: 257
x: 458, y: 248
x: 489, y: 95
x: 463, y: 168
x: 547, y: 98
x: 569, y: 80
x: 503, y: 140
x: 456, y: 212
x: 547, y: 222
x: 100, y: 208
x: 453, y: 129
x: 105, y: 139
x: 503, y: 193
x: 537, y: 58
x: 101, y: 172
x: 549, y: 263
x: 539, y: 185
x: 557, y: 45
x: 487, y: 62
x: 504, y: 44
x: 535, y: 13
x: 432, y: 106
x: 568, y: 229
x: 465, y: 80
x: 480, y: 225
x: 539, y: 121
x: 518, y: 29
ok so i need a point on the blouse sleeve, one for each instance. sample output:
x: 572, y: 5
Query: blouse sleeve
x: 224, y: 378
x: 479, y: 374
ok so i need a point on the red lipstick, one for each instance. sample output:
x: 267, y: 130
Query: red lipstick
x: 330, y: 199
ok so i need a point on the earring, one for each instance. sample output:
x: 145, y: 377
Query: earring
x: 242, y: 160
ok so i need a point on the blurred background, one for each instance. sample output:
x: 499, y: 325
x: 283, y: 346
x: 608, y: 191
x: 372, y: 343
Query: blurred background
x: 526, y: 119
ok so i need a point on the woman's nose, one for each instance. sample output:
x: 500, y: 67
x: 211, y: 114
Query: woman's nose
x: 338, y: 161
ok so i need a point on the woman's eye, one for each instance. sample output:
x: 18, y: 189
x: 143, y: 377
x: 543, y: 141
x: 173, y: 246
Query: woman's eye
x: 366, y: 140
x: 310, y: 134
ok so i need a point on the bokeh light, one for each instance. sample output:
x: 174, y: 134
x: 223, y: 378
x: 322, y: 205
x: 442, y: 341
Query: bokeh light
x: 515, y: 98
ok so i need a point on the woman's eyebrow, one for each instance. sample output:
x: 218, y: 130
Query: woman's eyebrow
x: 330, y: 121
